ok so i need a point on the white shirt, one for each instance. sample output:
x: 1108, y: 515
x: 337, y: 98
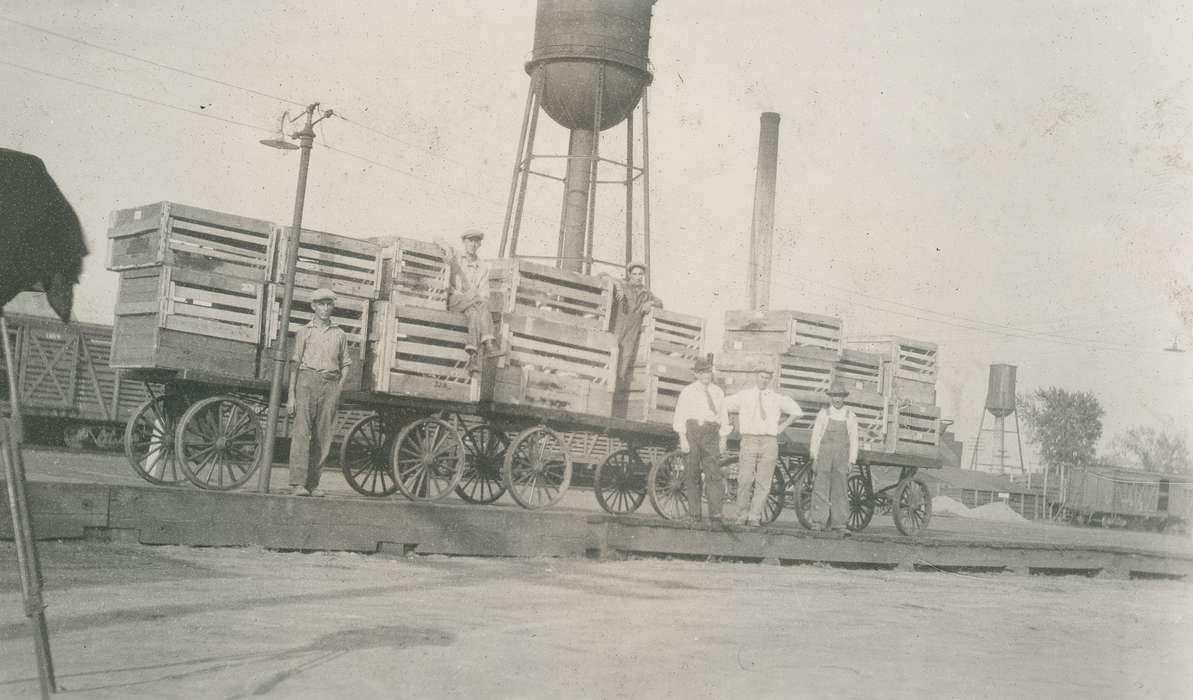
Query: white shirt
x: 758, y: 412
x: 830, y: 413
x: 693, y: 405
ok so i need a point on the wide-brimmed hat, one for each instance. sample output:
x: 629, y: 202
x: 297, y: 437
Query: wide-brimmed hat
x: 703, y: 364
x: 472, y: 233
x: 838, y: 389
x: 323, y: 293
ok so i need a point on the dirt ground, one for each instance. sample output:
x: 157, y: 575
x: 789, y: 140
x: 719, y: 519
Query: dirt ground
x: 137, y: 621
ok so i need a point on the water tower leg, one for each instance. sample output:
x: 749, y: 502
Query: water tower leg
x: 521, y: 168
x: 646, y: 184
x: 595, y: 168
x: 629, y: 189
x: 977, y: 443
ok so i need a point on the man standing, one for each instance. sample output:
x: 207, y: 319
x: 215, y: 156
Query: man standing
x: 631, y: 302
x: 758, y: 411
x: 321, y: 360
x: 700, y: 422
x: 468, y: 293
x: 833, y: 450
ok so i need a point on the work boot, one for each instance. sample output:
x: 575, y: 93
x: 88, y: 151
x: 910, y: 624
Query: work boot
x: 316, y: 492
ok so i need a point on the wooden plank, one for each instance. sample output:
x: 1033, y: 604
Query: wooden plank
x: 756, y: 341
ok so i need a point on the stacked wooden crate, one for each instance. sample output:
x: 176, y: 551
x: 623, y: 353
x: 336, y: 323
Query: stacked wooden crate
x: 667, y: 350
x: 908, y: 381
x: 191, y: 291
x: 554, y: 328
x: 348, y: 266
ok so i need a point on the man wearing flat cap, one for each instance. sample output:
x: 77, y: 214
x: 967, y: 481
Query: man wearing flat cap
x: 699, y: 421
x: 321, y: 361
x: 632, y: 301
x: 833, y: 450
x: 468, y: 293
x: 759, y: 409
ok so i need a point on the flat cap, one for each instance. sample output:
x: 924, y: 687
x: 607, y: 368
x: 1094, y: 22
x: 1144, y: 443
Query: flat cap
x: 472, y: 233
x: 323, y: 293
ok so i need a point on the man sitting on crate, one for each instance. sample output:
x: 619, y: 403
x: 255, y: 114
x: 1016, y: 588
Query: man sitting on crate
x: 321, y: 361
x: 632, y: 301
x: 758, y: 411
x: 833, y: 450
x: 702, y: 425
x: 468, y: 293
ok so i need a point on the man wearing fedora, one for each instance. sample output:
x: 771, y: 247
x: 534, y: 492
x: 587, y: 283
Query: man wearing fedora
x: 321, y: 361
x: 702, y: 425
x: 759, y: 409
x: 632, y: 301
x: 833, y: 450
x: 468, y: 293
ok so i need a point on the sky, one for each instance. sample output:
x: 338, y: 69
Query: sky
x: 1008, y: 180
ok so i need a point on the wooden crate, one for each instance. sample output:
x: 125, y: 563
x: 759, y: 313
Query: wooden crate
x: 653, y: 394
x: 914, y: 424
x: 670, y: 338
x: 905, y: 358
x: 770, y: 342
x: 413, y: 272
x: 167, y: 233
x: 805, y: 370
x: 182, y: 319
x: 871, y: 411
x: 560, y: 347
x: 801, y: 329
x: 529, y: 386
x: 351, y: 314
x: 418, y: 352
x: 912, y: 391
x: 346, y: 265
x: 859, y: 370
x: 532, y: 290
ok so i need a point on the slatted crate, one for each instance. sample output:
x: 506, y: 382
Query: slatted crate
x: 871, y: 411
x: 529, y: 386
x: 805, y: 370
x: 346, y: 265
x: 653, y: 393
x: 859, y: 370
x: 417, y: 272
x: 167, y: 233
x: 182, y: 319
x: 913, y: 391
x: 418, y: 352
x: 755, y: 341
x: 737, y: 369
x: 914, y: 425
x: 906, y: 358
x: 559, y: 347
x: 800, y: 328
x: 351, y: 314
x: 532, y: 290
x: 670, y: 338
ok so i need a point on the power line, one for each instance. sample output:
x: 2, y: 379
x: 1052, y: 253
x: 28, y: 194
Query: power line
x: 149, y: 62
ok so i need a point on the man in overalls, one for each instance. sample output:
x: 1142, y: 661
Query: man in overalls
x: 833, y: 451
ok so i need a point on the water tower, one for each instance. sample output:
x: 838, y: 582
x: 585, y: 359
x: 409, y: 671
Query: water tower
x: 990, y: 451
x: 589, y: 72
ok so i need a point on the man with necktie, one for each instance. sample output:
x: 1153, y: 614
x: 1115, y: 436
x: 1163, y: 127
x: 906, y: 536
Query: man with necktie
x: 759, y: 410
x: 702, y: 425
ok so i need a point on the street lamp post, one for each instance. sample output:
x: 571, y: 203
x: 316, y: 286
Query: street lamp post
x: 306, y: 139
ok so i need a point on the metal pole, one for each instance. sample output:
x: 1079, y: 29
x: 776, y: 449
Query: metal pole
x: 629, y: 188
x: 594, y: 169
x: 22, y: 526
x: 509, y: 205
x: 646, y: 185
x: 306, y: 139
x: 536, y: 85
x: 1019, y: 441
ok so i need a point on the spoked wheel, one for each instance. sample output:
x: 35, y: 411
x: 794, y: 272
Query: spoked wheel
x: 806, y: 479
x: 149, y: 441
x: 219, y: 443
x: 538, y: 468
x: 428, y: 457
x: 484, y: 457
x: 364, y: 458
x: 861, y: 502
x: 664, y: 485
x: 912, y: 507
x: 620, y: 482
x: 774, y: 499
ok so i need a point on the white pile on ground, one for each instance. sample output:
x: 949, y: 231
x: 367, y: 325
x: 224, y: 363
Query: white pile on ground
x: 944, y: 505
x: 997, y: 510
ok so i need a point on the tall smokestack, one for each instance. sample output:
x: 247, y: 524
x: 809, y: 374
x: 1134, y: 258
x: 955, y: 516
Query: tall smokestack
x: 762, y: 228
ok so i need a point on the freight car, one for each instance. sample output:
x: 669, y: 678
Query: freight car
x: 1113, y: 497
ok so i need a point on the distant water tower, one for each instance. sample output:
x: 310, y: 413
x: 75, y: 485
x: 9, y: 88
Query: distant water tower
x: 990, y: 453
x: 589, y: 72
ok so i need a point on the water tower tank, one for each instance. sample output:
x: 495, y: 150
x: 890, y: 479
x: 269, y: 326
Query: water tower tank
x: 1000, y: 394
x: 570, y: 37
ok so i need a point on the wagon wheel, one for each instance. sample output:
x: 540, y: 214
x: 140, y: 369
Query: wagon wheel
x: 106, y: 437
x: 805, y: 481
x: 912, y: 507
x: 484, y: 457
x: 620, y: 482
x: 861, y: 502
x: 364, y: 458
x: 428, y: 457
x: 219, y: 443
x: 774, y: 499
x: 664, y: 485
x: 538, y: 468
x: 149, y: 441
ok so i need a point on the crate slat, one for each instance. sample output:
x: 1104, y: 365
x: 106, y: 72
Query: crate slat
x: 167, y: 233
x: 347, y: 265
